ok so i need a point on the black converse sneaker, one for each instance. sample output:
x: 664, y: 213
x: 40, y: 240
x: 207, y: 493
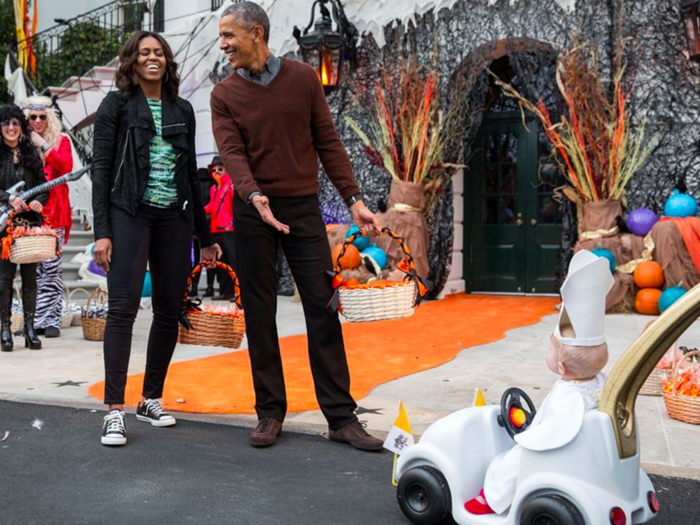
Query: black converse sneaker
x: 151, y: 412
x: 113, y: 430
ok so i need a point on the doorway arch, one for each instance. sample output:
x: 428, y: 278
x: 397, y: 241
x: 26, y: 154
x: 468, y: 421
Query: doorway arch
x: 512, y: 224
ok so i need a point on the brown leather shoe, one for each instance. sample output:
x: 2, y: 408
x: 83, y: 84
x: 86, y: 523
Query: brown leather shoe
x: 355, y: 434
x: 266, y: 433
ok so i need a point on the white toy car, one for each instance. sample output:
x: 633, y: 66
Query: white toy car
x: 593, y: 480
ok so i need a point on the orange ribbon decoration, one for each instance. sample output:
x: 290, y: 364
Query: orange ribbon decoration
x: 409, y: 268
x: 6, y: 243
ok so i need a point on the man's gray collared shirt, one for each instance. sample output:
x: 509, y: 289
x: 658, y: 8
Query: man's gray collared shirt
x: 264, y: 77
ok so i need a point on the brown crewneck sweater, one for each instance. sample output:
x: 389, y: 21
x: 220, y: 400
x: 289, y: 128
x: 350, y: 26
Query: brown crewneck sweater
x: 268, y: 136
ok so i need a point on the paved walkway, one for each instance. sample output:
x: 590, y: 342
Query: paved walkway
x: 197, y: 473
x: 49, y: 376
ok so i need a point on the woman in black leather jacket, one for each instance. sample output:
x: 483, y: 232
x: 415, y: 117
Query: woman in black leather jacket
x: 19, y: 161
x: 145, y: 205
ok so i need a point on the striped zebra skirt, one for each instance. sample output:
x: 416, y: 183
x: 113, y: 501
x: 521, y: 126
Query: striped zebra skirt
x: 49, y: 283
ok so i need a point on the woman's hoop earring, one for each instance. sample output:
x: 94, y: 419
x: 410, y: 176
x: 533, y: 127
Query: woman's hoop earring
x: 167, y: 77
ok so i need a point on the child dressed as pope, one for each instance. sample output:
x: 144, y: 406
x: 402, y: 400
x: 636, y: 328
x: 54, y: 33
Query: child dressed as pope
x: 578, y: 353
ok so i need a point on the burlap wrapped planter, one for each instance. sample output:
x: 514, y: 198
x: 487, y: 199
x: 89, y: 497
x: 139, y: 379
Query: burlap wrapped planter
x: 404, y: 215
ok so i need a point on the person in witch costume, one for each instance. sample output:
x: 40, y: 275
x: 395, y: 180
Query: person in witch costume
x: 19, y: 161
x: 578, y: 352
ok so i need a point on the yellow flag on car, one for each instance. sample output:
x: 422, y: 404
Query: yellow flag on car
x: 400, y: 436
x: 479, y: 400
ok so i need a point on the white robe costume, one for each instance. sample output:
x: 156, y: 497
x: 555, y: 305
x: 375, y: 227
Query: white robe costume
x: 561, y: 415
x: 556, y: 424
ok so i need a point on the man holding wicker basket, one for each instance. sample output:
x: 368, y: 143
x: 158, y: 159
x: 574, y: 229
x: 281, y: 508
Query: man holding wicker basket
x: 270, y: 121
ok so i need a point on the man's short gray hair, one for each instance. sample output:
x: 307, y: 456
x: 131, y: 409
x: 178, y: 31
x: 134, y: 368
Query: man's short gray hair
x: 249, y: 15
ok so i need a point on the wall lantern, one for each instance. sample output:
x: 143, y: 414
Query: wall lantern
x: 691, y: 21
x: 325, y: 49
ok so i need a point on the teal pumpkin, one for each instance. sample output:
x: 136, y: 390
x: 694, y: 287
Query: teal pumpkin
x: 377, y: 256
x: 680, y: 205
x: 670, y: 296
x: 607, y: 254
x: 361, y: 243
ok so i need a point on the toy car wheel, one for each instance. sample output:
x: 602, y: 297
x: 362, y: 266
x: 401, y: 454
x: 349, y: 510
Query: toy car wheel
x: 550, y: 509
x: 424, y: 496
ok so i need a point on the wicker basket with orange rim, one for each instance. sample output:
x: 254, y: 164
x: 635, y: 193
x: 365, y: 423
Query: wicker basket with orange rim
x: 209, y: 325
x: 28, y: 243
x: 378, y: 300
x: 681, y: 391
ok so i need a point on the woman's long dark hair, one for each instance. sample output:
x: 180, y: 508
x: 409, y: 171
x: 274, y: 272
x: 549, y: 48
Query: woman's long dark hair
x: 27, y: 153
x: 127, y: 79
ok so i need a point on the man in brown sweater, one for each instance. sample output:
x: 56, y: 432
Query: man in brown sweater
x: 271, y: 122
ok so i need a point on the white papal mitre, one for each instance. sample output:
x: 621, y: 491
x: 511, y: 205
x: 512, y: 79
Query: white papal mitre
x: 583, y: 299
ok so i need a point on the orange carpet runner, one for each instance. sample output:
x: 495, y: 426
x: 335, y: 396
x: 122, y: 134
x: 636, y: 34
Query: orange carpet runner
x: 377, y: 353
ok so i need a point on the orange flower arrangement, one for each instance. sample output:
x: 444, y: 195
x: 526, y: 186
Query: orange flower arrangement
x: 383, y: 283
x: 687, y: 382
x: 218, y: 310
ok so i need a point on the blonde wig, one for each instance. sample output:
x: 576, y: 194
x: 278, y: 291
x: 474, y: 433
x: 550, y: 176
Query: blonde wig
x: 52, y: 135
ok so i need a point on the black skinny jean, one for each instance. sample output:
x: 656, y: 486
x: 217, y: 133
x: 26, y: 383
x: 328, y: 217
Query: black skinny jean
x: 7, y: 276
x: 162, y: 238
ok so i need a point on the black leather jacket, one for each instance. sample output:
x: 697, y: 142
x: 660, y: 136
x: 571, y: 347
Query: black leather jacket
x: 121, y: 161
x: 30, y: 171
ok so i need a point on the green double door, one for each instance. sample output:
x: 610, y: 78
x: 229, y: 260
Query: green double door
x: 512, y: 222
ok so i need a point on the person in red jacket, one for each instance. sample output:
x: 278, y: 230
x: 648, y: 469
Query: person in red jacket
x: 220, y: 208
x: 55, y: 150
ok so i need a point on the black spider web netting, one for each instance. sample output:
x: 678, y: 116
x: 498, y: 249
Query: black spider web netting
x: 463, y: 41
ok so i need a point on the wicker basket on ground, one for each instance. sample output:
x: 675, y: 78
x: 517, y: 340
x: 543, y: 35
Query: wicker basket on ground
x: 653, y: 386
x: 678, y: 405
x: 93, y: 319
x: 66, y: 314
x: 379, y: 301
x: 212, y: 327
x: 75, y: 309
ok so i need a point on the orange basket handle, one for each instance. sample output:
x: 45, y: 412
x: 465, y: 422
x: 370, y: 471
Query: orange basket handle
x: 190, y: 305
x: 406, y: 265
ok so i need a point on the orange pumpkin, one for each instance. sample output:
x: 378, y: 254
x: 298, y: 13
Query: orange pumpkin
x: 649, y: 274
x: 350, y: 260
x: 647, y: 301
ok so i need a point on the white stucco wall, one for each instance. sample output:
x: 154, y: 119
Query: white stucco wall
x: 177, y: 11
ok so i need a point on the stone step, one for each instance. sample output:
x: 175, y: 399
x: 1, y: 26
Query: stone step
x: 71, y: 250
x: 70, y: 271
x: 77, y: 224
x: 80, y: 238
x: 71, y: 284
x: 87, y: 285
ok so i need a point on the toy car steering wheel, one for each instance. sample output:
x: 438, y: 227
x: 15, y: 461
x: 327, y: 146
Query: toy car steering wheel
x: 514, y: 416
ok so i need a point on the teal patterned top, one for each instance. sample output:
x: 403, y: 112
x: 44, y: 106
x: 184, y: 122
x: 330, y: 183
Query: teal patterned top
x: 161, y: 190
